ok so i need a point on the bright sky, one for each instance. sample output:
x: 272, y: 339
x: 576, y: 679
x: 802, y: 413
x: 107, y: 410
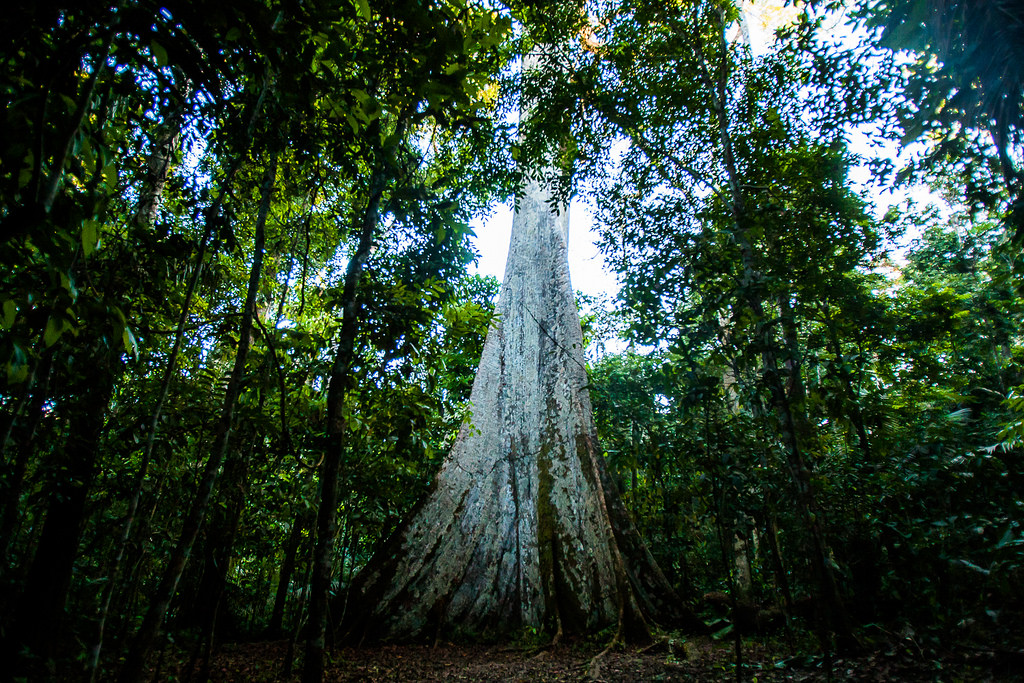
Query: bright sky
x: 586, y: 265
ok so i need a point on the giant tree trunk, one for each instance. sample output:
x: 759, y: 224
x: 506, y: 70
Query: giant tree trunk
x: 524, y: 527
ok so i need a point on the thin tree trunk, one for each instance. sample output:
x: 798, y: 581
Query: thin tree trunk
x: 340, y: 383
x: 725, y: 533
x: 291, y: 549
x: 161, y: 600
x: 220, y: 541
x: 40, y: 610
x: 16, y: 478
x: 159, y: 167
x: 146, y: 212
x: 289, y: 660
x: 353, y: 545
x: 855, y: 414
x: 751, y: 292
x: 209, y: 633
x: 779, y: 569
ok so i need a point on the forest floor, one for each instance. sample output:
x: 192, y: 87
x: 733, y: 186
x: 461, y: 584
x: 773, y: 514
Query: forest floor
x: 700, y: 659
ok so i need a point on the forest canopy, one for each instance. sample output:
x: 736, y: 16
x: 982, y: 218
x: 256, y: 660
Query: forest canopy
x: 239, y: 328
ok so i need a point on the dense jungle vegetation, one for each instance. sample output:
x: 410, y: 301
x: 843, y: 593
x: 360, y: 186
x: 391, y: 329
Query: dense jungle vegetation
x: 238, y: 327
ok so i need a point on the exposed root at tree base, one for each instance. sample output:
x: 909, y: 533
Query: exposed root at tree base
x: 594, y: 667
x: 660, y: 646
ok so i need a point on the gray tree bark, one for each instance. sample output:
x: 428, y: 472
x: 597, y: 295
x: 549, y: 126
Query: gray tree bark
x: 524, y: 527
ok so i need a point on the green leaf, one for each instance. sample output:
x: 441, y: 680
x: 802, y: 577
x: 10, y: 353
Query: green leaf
x: 110, y: 176
x: 54, y: 328
x: 68, y: 285
x: 368, y: 109
x: 391, y: 140
x: 130, y: 344
x: 1007, y: 539
x: 17, y: 366
x: 722, y: 632
x: 90, y: 236
x: 10, y: 311
x: 159, y: 53
x: 363, y: 8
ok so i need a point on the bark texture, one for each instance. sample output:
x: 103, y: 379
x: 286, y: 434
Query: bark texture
x: 524, y: 527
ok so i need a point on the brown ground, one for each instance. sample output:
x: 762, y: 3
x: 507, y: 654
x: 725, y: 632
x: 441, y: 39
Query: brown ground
x: 676, y: 660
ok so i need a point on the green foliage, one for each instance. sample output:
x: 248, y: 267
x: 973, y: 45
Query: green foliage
x: 132, y: 166
x: 759, y: 282
x: 959, y: 92
x: 135, y: 145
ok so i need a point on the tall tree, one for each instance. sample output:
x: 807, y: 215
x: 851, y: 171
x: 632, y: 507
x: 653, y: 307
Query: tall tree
x: 524, y: 527
x: 153, y: 621
x: 720, y: 159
